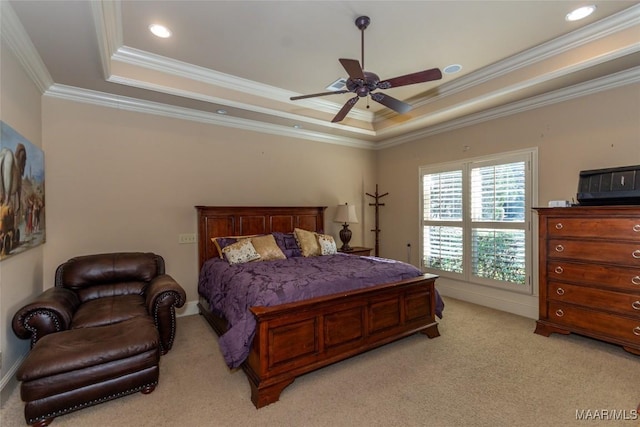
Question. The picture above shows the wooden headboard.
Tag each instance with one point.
(217, 221)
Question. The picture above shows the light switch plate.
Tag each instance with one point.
(186, 238)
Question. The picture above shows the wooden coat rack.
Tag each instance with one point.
(377, 204)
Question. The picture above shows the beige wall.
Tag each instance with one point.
(596, 131)
(20, 275)
(121, 181)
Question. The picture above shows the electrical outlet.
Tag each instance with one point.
(187, 238)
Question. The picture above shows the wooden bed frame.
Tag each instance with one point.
(295, 338)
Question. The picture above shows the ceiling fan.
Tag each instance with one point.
(363, 83)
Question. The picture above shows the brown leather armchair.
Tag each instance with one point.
(103, 289)
(98, 334)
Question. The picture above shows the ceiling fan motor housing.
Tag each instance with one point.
(363, 87)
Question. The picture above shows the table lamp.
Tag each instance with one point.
(346, 214)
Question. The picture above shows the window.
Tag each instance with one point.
(476, 220)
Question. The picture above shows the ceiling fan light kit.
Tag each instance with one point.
(362, 83)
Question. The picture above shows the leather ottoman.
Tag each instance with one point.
(73, 369)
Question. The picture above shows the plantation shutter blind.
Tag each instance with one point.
(498, 216)
(442, 221)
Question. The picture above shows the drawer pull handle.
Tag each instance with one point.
(560, 291)
(635, 280)
(636, 254)
(636, 330)
(560, 248)
(560, 313)
(636, 305)
(560, 270)
(559, 226)
(636, 228)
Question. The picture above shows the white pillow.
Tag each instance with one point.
(327, 244)
(240, 252)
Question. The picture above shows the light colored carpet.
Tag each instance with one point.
(487, 369)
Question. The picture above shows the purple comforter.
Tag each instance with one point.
(232, 289)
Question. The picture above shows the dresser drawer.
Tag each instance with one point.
(620, 253)
(596, 323)
(615, 302)
(626, 228)
(624, 279)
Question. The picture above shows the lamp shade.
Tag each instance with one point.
(346, 214)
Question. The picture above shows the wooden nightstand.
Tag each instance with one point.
(358, 250)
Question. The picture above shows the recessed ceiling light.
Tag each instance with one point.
(221, 111)
(580, 13)
(160, 31)
(452, 69)
(297, 126)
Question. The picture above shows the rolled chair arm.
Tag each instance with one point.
(50, 312)
(163, 296)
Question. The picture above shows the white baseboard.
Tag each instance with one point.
(9, 381)
(190, 308)
(522, 305)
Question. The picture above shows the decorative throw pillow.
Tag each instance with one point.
(307, 241)
(327, 244)
(240, 252)
(267, 248)
(288, 244)
(222, 242)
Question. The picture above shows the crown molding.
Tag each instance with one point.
(12, 31)
(598, 30)
(595, 31)
(506, 90)
(590, 33)
(108, 31)
(140, 58)
(295, 118)
(132, 104)
(108, 17)
(102, 99)
(612, 81)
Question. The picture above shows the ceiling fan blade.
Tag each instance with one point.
(345, 109)
(409, 79)
(295, 98)
(353, 68)
(391, 102)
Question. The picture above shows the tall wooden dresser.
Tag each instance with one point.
(590, 273)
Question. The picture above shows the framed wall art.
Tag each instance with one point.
(22, 200)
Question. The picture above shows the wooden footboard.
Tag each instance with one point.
(296, 338)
